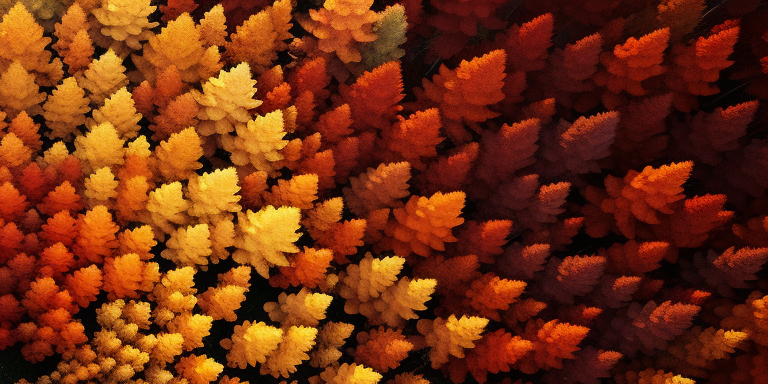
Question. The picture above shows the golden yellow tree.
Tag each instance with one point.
(265, 236)
(198, 369)
(303, 308)
(19, 91)
(179, 44)
(100, 147)
(138, 240)
(213, 27)
(258, 142)
(178, 155)
(125, 22)
(366, 280)
(330, 338)
(22, 40)
(167, 208)
(65, 110)
(399, 301)
(214, 194)
(103, 77)
(120, 110)
(225, 100)
(189, 246)
(298, 340)
(251, 343)
(350, 374)
(222, 236)
(101, 188)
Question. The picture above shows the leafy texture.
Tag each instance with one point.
(340, 191)
(265, 236)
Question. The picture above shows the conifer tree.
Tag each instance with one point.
(103, 77)
(65, 109)
(262, 242)
(390, 31)
(225, 100)
(125, 22)
(19, 91)
(375, 96)
(450, 336)
(212, 27)
(179, 155)
(119, 109)
(258, 40)
(22, 40)
(629, 64)
(258, 142)
(100, 147)
(355, 23)
(464, 94)
(178, 44)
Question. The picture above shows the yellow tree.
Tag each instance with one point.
(189, 246)
(265, 236)
(258, 142)
(65, 109)
(303, 308)
(167, 208)
(177, 157)
(225, 100)
(214, 194)
(450, 336)
(22, 40)
(100, 147)
(19, 91)
(125, 23)
(120, 110)
(213, 27)
(103, 77)
(251, 343)
(365, 281)
(398, 303)
(291, 351)
(179, 44)
(350, 373)
(101, 188)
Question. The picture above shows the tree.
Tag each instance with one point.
(265, 236)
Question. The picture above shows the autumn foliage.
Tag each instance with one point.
(381, 191)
